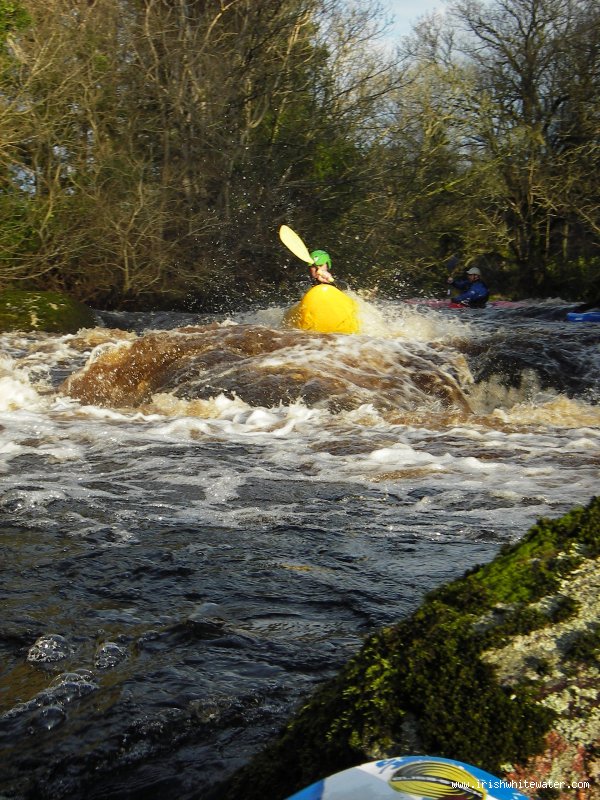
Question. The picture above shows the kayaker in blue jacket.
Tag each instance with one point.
(474, 292)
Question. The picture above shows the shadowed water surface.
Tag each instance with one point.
(201, 518)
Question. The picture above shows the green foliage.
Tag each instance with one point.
(192, 141)
(13, 17)
(575, 278)
(17, 228)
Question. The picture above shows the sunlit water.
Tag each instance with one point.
(201, 518)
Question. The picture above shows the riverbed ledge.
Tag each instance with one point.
(498, 669)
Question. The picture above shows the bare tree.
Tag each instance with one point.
(533, 64)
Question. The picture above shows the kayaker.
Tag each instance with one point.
(474, 292)
(319, 269)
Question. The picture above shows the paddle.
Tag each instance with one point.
(294, 243)
(450, 265)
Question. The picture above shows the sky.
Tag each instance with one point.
(407, 12)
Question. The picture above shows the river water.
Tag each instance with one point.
(202, 517)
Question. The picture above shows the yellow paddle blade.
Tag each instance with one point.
(294, 243)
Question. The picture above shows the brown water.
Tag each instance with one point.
(200, 518)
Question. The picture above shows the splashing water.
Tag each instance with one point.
(203, 516)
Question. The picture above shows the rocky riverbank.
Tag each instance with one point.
(499, 669)
(49, 312)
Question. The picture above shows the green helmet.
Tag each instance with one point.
(320, 257)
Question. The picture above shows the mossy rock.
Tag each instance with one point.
(49, 312)
(425, 685)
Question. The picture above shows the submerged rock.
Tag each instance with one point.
(268, 367)
(50, 312)
(499, 669)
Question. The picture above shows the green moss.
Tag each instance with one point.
(517, 622)
(423, 686)
(462, 710)
(533, 567)
(523, 619)
(585, 646)
(540, 665)
(564, 608)
(50, 312)
(468, 594)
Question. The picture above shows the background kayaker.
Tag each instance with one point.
(474, 292)
(319, 269)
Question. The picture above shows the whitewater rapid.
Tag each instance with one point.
(202, 516)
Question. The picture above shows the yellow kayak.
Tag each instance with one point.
(324, 309)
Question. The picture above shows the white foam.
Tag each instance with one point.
(394, 320)
(16, 390)
(543, 450)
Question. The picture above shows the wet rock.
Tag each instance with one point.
(513, 693)
(262, 367)
(50, 312)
